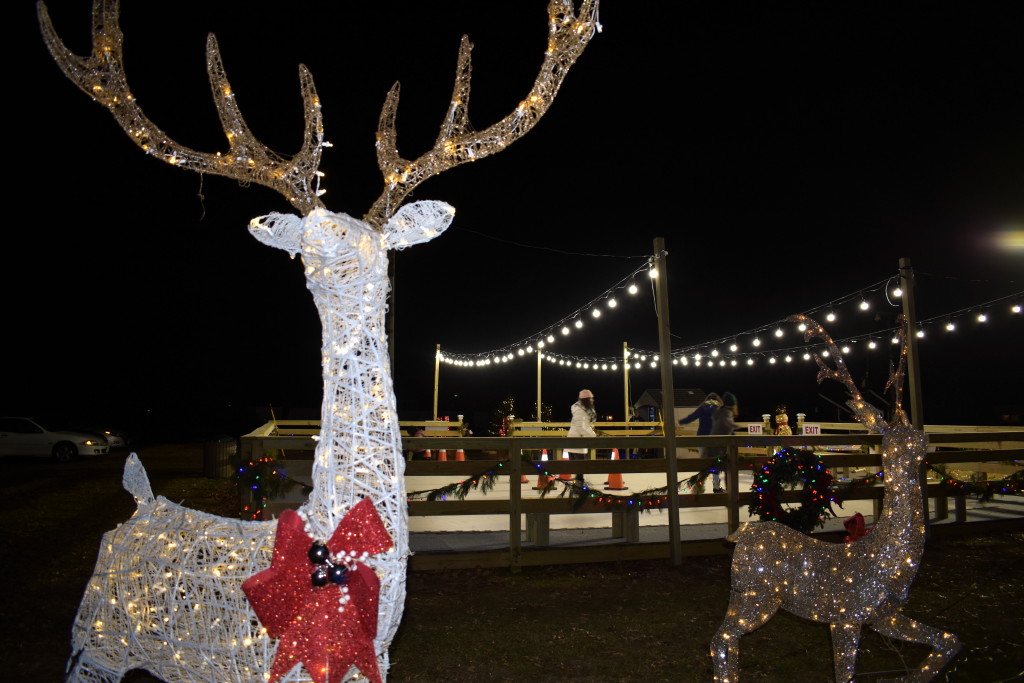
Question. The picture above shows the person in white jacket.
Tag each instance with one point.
(583, 418)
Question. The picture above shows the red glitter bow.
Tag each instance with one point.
(306, 618)
(855, 527)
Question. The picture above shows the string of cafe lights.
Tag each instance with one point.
(573, 323)
(750, 347)
(708, 355)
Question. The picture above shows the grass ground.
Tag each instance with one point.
(632, 621)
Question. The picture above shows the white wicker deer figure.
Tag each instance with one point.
(851, 585)
(166, 594)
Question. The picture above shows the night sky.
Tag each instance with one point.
(789, 153)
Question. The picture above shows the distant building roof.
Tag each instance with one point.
(683, 397)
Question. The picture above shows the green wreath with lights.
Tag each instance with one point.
(789, 469)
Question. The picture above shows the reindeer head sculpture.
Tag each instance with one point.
(345, 263)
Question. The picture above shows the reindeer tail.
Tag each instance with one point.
(136, 481)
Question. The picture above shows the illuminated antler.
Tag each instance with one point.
(457, 143)
(102, 76)
(866, 413)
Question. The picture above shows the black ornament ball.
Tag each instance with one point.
(318, 553)
(319, 577)
(338, 574)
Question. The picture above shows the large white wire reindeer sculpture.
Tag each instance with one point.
(850, 585)
(167, 590)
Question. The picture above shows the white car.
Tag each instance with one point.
(24, 436)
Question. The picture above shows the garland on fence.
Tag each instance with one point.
(786, 468)
(265, 478)
(1011, 485)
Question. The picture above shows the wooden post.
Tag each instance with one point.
(732, 488)
(914, 369)
(668, 413)
(437, 374)
(515, 505)
(913, 362)
(540, 415)
(625, 381)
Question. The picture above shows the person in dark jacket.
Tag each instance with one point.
(723, 422)
(703, 414)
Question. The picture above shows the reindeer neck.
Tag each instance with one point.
(356, 456)
(900, 527)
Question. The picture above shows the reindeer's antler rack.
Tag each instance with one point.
(102, 77)
(866, 413)
(568, 33)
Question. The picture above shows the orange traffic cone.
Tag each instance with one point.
(543, 480)
(428, 455)
(565, 477)
(460, 455)
(442, 455)
(615, 482)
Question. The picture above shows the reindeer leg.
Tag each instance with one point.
(746, 613)
(944, 645)
(845, 640)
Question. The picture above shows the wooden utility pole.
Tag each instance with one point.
(668, 412)
(540, 415)
(913, 360)
(437, 377)
(625, 382)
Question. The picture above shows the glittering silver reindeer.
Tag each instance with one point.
(166, 591)
(850, 585)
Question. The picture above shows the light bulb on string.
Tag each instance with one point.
(806, 356)
(831, 317)
(756, 342)
(721, 363)
(771, 361)
(612, 303)
(750, 361)
(733, 347)
(846, 349)
(897, 292)
(778, 331)
(578, 323)
(733, 362)
(920, 333)
(632, 288)
(950, 326)
(864, 305)
(551, 339)
(872, 344)
(789, 358)
(982, 318)
(825, 354)
(652, 273)
(596, 312)
(565, 330)
(895, 339)
(1015, 308)
(714, 352)
(802, 327)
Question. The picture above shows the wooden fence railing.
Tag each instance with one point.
(967, 450)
